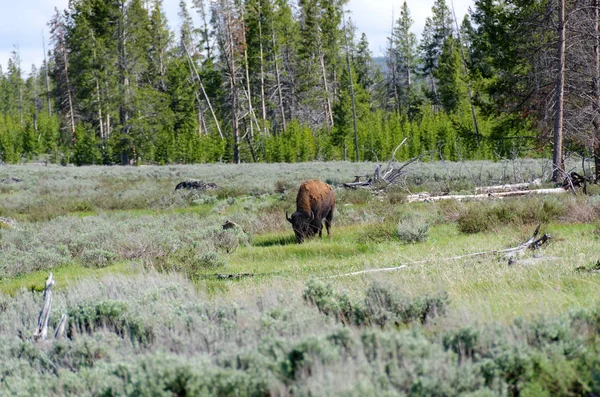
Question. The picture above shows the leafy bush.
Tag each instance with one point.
(480, 217)
(413, 229)
(283, 185)
(474, 219)
(156, 335)
(382, 305)
(111, 314)
(376, 233)
(385, 305)
(354, 196)
(97, 258)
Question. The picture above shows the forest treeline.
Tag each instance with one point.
(286, 81)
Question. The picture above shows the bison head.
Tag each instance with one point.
(302, 224)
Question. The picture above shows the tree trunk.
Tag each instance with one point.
(47, 78)
(100, 120)
(464, 62)
(329, 113)
(356, 155)
(262, 67)
(250, 138)
(279, 90)
(69, 97)
(233, 85)
(596, 89)
(557, 160)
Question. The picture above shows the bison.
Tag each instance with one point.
(314, 204)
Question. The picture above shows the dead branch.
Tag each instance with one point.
(382, 179)
(506, 188)
(41, 332)
(60, 329)
(532, 243)
(422, 197)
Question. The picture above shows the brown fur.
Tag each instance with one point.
(312, 193)
(315, 204)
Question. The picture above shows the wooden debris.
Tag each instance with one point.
(532, 243)
(229, 225)
(41, 332)
(234, 276)
(60, 329)
(384, 178)
(423, 197)
(506, 188)
(196, 185)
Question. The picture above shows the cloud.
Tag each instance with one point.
(21, 26)
(375, 17)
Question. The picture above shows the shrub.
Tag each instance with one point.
(229, 192)
(382, 305)
(474, 219)
(332, 303)
(413, 229)
(283, 185)
(97, 258)
(385, 305)
(376, 233)
(480, 217)
(396, 196)
(354, 196)
(112, 315)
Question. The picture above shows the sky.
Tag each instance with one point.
(23, 23)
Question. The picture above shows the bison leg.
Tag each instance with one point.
(328, 220)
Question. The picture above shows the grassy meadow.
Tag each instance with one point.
(162, 301)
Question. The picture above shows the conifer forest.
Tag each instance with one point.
(286, 81)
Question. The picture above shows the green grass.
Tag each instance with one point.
(485, 286)
(65, 276)
(147, 308)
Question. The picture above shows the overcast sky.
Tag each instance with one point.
(22, 23)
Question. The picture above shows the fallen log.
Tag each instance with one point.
(507, 187)
(532, 243)
(422, 197)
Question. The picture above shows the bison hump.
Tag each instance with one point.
(312, 192)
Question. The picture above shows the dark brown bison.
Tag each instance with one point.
(314, 204)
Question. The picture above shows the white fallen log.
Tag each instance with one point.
(507, 187)
(41, 332)
(459, 197)
(383, 269)
(532, 243)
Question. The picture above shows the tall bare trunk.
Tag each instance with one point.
(464, 62)
(100, 120)
(596, 90)
(47, 77)
(328, 112)
(279, 89)
(356, 155)
(262, 67)
(250, 108)
(232, 80)
(557, 160)
(69, 97)
(212, 112)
